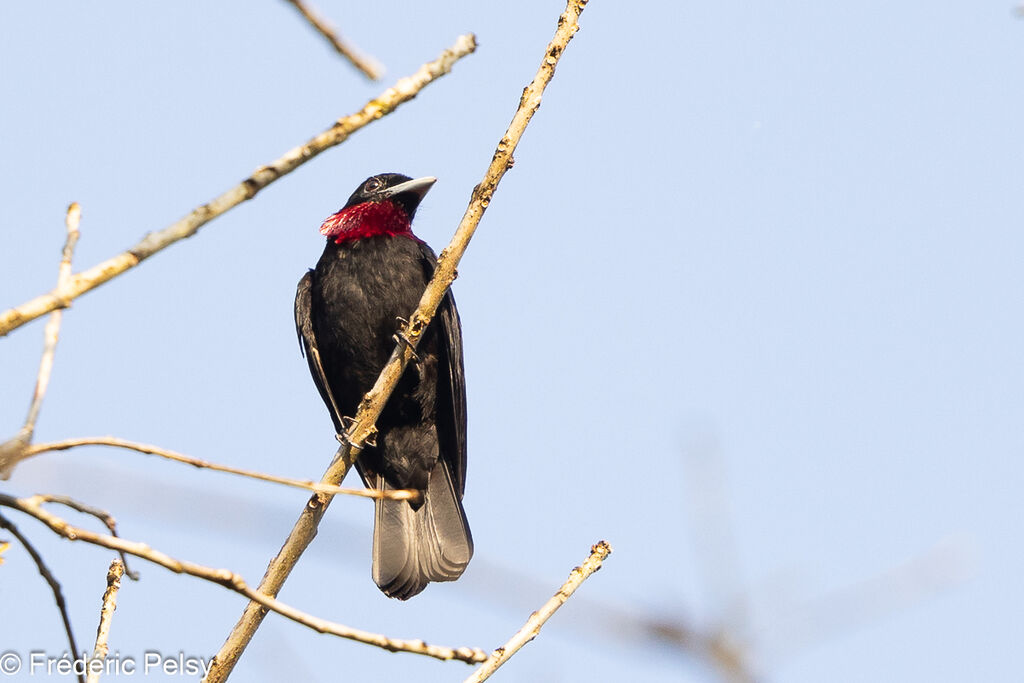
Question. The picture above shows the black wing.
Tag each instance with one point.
(307, 344)
(451, 382)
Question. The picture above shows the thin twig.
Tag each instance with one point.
(529, 631)
(12, 451)
(305, 528)
(370, 67)
(402, 91)
(58, 594)
(100, 514)
(114, 442)
(33, 506)
(99, 652)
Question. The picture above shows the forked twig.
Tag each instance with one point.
(100, 514)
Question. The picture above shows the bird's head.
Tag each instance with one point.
(382, 205)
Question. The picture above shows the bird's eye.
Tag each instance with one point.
(373, 185)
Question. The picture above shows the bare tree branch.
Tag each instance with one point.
(33, 506)
(80, 283)
(99, 652)
(58, 594)
(367, 65)
(305, 528)
(529, 631)
(100, 514)
(11, 450)
(114, 442)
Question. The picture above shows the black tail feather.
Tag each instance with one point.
(411, 548)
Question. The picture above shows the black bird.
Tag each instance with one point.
(372, 272)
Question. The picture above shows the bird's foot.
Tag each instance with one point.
(400, 338)
(346, 426)
(346, 440)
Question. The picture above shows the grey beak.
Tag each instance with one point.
(419, 187)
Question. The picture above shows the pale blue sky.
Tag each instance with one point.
(784, 239)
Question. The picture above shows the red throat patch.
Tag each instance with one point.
(366, 220)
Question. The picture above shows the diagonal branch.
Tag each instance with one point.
(114, 442)
(33, 506)
(58, 594)
(598, 553)
(367, 65)
(305, 528)
(80, 283)
(363, 426)
(12, 450)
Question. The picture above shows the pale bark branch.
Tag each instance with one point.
(369, 67)
(11, 451)
(114, 442)
(363, 427)
(100, 514)
(402, 91)
(44, 571)
(33, 506)
(598, 553)
(305, 528)
(99, 652)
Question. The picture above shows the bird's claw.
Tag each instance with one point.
(346, 426)
(400, 338)
(345, 440)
